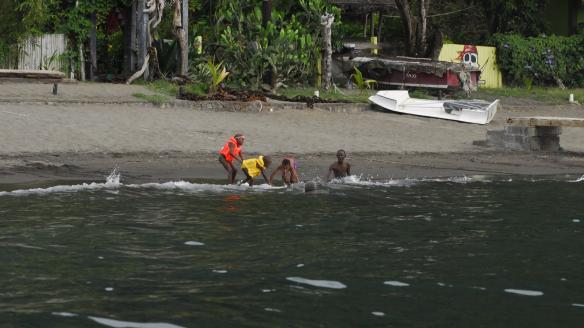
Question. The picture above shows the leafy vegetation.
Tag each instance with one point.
(354, 96)
(168, 88)
(541, 61)
(362, 84)
(283, 50)
(218, 74)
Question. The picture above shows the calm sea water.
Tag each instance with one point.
(462, 252)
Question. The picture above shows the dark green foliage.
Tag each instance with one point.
(541, 60)
(525, 17)
(287, 47)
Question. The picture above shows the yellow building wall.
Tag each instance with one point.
(487, 60)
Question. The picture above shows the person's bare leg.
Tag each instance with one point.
(233, 174)
(285, 179)
(229, 168)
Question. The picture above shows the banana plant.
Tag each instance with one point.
(362, 83)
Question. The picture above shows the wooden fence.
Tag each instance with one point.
(40, 52)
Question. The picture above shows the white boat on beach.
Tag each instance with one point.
(469, 111)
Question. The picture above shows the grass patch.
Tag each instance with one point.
(170, 89)
(547, 95)
(355, 96)
(155, 99)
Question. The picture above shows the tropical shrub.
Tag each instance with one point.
(543, 60)
(218, 74)
(287, 47)
(362, 83)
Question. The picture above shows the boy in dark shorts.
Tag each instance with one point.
(289, 171)
(340, 168)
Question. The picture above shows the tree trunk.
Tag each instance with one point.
(81, 58)
(156, 8)
(422, 38)
(327, 21)
(266, 12)
(179, 31)
(379, 25)
(129, 41)
(93, 48)
(409, 25)
(268, 77)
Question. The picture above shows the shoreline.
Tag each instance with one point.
(60, 140)
(148, 167)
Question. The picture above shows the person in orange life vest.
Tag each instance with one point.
(231, 150)
(289, 171)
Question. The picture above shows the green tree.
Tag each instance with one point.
(524, 17)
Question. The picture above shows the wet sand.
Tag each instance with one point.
(148, 167)
(64, 139)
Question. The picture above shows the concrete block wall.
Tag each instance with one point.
(544, 138)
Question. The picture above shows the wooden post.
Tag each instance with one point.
(326, 21)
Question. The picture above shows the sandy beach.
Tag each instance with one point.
(88, 129)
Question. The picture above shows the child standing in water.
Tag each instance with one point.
(289, 171)
(230, 151)
(252, 168)
(340, 168)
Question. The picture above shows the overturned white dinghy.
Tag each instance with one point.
(469, 111)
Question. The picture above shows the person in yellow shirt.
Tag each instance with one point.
(253, 167)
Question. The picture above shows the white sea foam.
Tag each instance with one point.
(378, 314)
(580, 179)
(576, 220)
(64, 314)
(59, 189)
(109, 289)
(272, 310)
(194, 243)
(220, 271)
(203, 187)
(128, 324)
(358, 180)
(114, 176)
(112, 182)
(395, 283)
(578, 305)
(318, 283)
(441, 284)
(524, 292)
